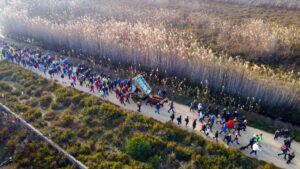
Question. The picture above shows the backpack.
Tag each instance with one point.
(282, 148)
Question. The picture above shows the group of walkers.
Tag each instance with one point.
(230, 123)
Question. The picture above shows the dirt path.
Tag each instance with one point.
(270, 148)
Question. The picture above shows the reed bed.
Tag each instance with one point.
(175, 52)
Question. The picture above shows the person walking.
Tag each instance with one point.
(91, 88)
(186, 120)
(172, 117)
(127, 97)
(138, 104)
(255, 148)
(277, 134)
(291, 155)
(157, 108)
(194, 124)
(284, 150)
(72, 83)
(236, 138)
(171, 107)
(251, 142)
(199, 107)
(87, 83)
(224, 129)
(216, 135)
(63, 80)
(259, 140)
(102, 93)
(117, 91)
(201, 117)
(207, 131)
(219, 119)
(212, 120)
(203, 128)
(122, 97)
(227, 138)
(179, 120)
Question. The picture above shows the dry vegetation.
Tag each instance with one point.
(291, 4)
(164, 39)
(26, 149)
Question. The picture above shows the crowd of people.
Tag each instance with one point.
(213, 122)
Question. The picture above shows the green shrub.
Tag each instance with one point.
(12, 98)
(89, 101)
(32, 114)
(60, 136)
(92, 110)
(85, 150)
(139, 149)
(46, 100)
(77, 98)
(50, 115)
(183, 154)
(16, 92)
(38, 92)
(56, 106)
(24, 97)
(5, 86)
(67, 120)
(21, 107)
(32, 102)
(155, 161)
(42, 81)
(4, 74)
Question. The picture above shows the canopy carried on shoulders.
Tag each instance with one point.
(139, 83)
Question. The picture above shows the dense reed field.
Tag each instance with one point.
(159, 42)
(291, 4)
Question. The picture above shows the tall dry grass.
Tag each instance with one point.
(171, 52)
(290, 4)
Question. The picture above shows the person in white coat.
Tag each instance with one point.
(255, 148)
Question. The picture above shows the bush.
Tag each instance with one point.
(5, 86)
(32, 102)
(12, 98)
(139, 149)
(46, 100)
(50, 115)
(24, 97)
(32, 114)
(77, 98)
(56, 106)
(183, 154)
(16, 92)
(89, 101)
(21, 107)
(67, 120)
(155, 161)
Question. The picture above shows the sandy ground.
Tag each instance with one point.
(270, 147)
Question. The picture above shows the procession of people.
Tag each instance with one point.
(212, 122)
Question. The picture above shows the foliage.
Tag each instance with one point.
(139, 148)
(155, 161)
(56, 106)
(46, 100)
(32, 114)
(67, 120)
(32, 102)
(50, 115)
